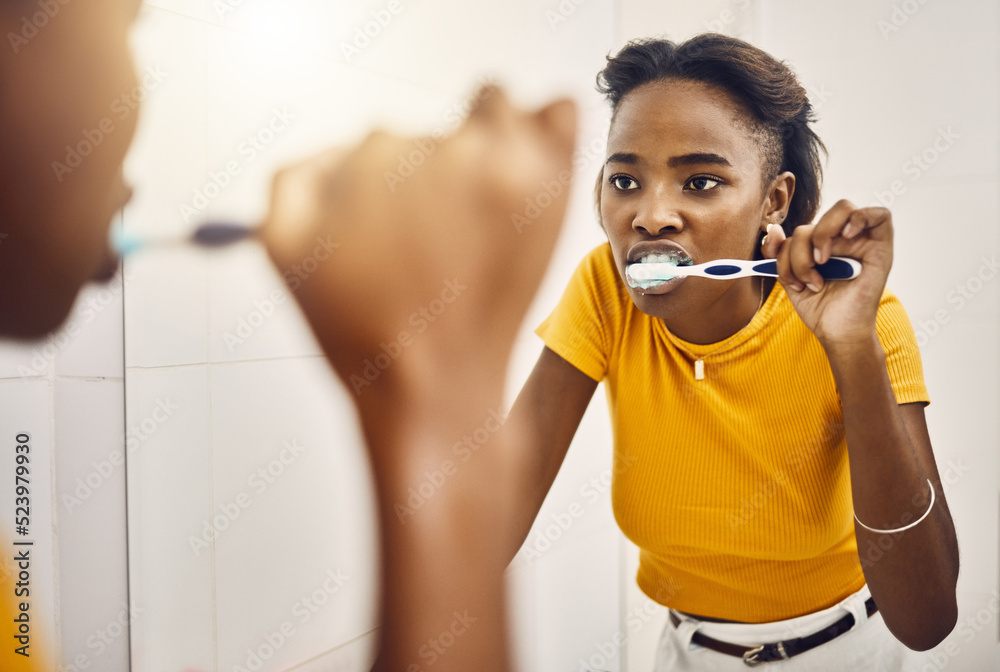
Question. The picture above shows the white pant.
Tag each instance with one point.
(867, 647)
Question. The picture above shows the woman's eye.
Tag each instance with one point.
(623, 182)
(703, 183)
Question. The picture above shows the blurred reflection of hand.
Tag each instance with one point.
(427, 276)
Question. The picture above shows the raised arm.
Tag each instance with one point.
(913, 577)
(442, 241)
(544, 420)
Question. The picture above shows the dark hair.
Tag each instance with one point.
(779, 108)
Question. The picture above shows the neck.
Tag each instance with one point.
(724, 317)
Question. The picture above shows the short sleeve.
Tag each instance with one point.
(902, 354)
(580, 329)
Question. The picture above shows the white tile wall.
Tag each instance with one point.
(79, 580)
(90, 499)
(172, 573)
(288, 452)
(355, 656)
(644, 618)
(577, 603)
(166, 164)
(94, 334)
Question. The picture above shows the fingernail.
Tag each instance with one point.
(812, 287)
(817, 255)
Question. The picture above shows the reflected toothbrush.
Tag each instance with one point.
(837, 268)
(210, 234)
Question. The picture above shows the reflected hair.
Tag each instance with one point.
(778, 110)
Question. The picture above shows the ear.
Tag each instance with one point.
(778, 199)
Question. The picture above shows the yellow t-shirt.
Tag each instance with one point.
(735, 488)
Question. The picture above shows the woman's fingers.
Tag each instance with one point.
(876, 221)
(778, 247)
(811, 245)
(830, 226)
(772, 241)
(801, 258)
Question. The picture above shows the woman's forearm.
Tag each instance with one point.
(912, 577)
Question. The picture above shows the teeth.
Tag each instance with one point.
(672, 258)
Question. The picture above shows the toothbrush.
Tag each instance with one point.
(837, 268)
(210, 234)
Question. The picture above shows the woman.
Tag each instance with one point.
(753, 416)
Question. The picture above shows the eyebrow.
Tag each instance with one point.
(674, 161)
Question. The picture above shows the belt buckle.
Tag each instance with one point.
(765, 654)
(752, 657)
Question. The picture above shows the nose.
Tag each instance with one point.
(656, 214)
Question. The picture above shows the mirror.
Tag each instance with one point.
(206, 467)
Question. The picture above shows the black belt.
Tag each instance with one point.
(778, 650)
